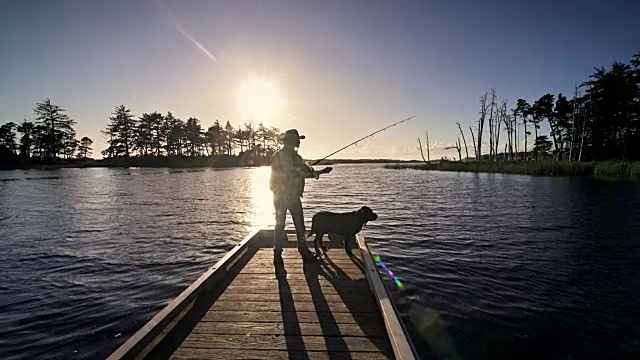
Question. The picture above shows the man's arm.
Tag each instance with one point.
(301, 166)
(292, 165)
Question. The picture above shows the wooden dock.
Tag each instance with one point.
(246, 307)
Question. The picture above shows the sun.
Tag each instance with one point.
(259, 99)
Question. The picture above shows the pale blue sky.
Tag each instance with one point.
(345, 68)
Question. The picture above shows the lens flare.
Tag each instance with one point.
(399, 284)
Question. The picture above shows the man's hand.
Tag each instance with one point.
(316, 174)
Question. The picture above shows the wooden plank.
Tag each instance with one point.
(290, 264)
(301, 306)
(295, 257)
(159, 323)
(351, 272)
(274, 288)
(280, 328)
(297, 260)
(325, 286)
(286, 342)
(300, 278)
(225, 354)
(331, 255)
(402, 347)
(370, 319)
(249, 282)
(297, 297)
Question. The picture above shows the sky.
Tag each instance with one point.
(341, 68)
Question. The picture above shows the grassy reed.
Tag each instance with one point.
(536, 168)
(617, 169)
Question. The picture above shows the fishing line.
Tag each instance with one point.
(362, 138)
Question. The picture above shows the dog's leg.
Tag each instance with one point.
(317, 242)
(349, 241)
(324, 247)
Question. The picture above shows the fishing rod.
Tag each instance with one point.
(368, 136)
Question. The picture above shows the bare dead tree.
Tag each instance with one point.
(421, 153)
(583, 130)
(466, 149)
(508, 127)
(492, 104)
(584, 126)
(513, 144)
(428, 153)
(499, 128)
(483, 115)
(573, 123)
(504, 155)
(475, 149)
(509, 130)
(526, 134)
(500, 114)
(514, 125)
(457, 147)
(505, 121)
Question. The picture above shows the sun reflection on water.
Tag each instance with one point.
(262, 214)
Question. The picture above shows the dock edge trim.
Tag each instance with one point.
(401, 344)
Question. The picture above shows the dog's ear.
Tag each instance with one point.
(365, 210)
(365, 214)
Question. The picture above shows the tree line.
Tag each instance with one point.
(52, 136)
(600, 122)
(154, 134)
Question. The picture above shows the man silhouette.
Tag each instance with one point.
(288, 174)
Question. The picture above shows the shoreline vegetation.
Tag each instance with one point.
(153, 140)
(616, 169)
(594, 133)
(177, 161)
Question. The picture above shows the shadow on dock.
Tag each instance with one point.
(290, 321)
(295, 310)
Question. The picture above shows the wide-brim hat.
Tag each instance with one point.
(290, 135)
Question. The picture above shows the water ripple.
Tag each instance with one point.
(494, 266)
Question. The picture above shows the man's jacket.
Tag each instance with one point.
(288, 172)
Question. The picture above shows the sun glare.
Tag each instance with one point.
(262, 213)
(259, 99)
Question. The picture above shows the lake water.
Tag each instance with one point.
(493, 266)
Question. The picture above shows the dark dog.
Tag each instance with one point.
(345, 224)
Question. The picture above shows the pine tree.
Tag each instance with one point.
(121, 131)
(261, 137)
(84, 148)
(157, 135)
(143, 136)
(174, 129)
(229, 136)
(8, 136)
(213, 136)
(193, 135)
(27, 129)
(59, 135)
